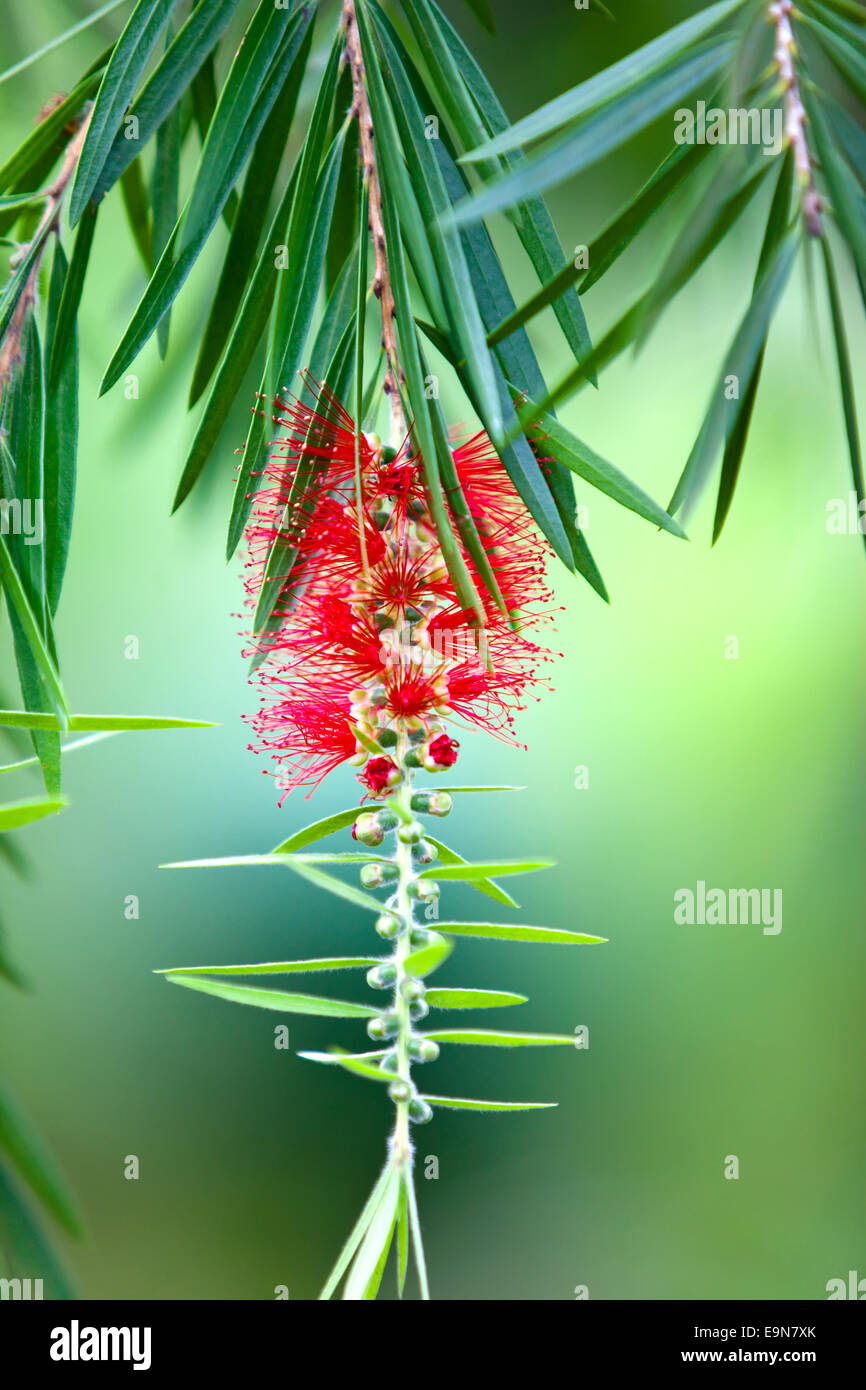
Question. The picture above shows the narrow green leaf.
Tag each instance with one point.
(477, 1037)
(357, 1234)
(350, 1062)
(318, 830)
(570, 451)
(62, 343)
(248, 225)
(32, 631)
(250, 91)
(449, 857)
(428, 958)
(346, 891)
(168, 82)
(19, 813)
(472, 998)
(452, 872)
(599, 133)
(612, 83)
(740, 363)
(502, 932)
(849, 203)
(65, 748)
(846, 380)
(308, 1004)
(164, 198)
(31, 1161)
(366, 1272)
(460, 1103)
(136, 205)
(402, 1238)
(455, 790)
(281, 967)
(61, 39)
(125, 67)
(84, 723)
(60, 442)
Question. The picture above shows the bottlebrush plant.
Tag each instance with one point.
(351, 150)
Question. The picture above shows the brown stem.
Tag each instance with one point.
(10, 349)
(381, 279)
(795, 115)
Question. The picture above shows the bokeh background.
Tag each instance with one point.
(704, 1041)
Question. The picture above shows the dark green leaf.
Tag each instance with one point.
(24, 1151)
(25, 1246)
(119, 82)
(846, 380)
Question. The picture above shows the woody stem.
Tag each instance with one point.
(381, 279)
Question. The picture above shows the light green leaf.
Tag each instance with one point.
(280, 967)
(18, 813)
(108, 723)
(308, 1004)
(472, 998)
(61, 39)
(469, 872)
(449, 857)
(352, 1062)
(357, 1234)
(459, 1103)
(502, 932)
(366, 1272)
(426, 959)
(477, 1037)
(455, 790)
(318, 830)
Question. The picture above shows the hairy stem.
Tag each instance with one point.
(381, 280)
(795, 114)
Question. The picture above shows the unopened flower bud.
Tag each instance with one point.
(410, 832)
(383, 1026)
(391, 1061)
(399, 1091)
(412, 989)
(380, 776)
(389, 927)
(387, 738)
(424, 852)
(381, 976)
(423, 1049)
(424, 890)
(420, 1113)
(368, 829)
(418, 937)
(418, 1008)
(378, 875)
(387, 819)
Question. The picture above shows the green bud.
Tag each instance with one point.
(387, 737)
(412, 989)
(418, 1008)
(383, 1026)
(424, 853)
(381, 976)
(423, 1049)
(390, 1062)
(377, 875)
(399, 1091)
(424, 890)
(419, 937)
(410, 833)
(420, 1113)
(441, 803)
(388, 819)
(389, 927)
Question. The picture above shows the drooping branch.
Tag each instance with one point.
(382, 280)
(795, 114)
(10, 349)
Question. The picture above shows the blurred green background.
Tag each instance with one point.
(704, 1041)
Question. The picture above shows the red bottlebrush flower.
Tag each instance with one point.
(380, 775)
(368, 630)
